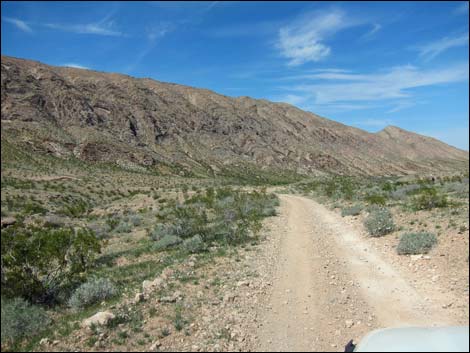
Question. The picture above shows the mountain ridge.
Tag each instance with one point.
(111, 117)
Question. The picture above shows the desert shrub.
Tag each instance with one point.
(379, 222)
(91, 292)
(416, 243)
(39, 263)
(404, 191)
(375, 199)
(457, 189)
(375, 196)
(100, 230)
(75, 208)
(167, 241)
(123, 227)
(194, 244)
(112, 222)
(135, 220)
(428, 198)
(351, 211)
(21, 319)
(224, 215)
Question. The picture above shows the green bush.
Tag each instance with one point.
(379, 222)
(429, 198)
(39, 263)
(351, 211)
(375, 199)
(21, 319)
(416, 243)
(194, 245)
(92, 292)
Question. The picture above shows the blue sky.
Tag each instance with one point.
(363, 64)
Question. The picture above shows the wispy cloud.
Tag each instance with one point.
(103, 27)
(89, 28)
(391, 84)
(400, 106)
(304, 39)
(76, 66)
(22, 25)
(371, 33)
(159, 31)
(431, 50)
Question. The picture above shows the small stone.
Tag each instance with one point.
(349, 323)
(101, 318)
(139, 297)
(7, 221)
(44, 341)
(155, 345)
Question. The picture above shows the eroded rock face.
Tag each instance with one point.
(102, 117)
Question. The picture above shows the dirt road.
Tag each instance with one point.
(331, 286)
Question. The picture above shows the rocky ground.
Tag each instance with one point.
(314, 282)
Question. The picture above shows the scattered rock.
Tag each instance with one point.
(101, 318)
(150, 286)
(44, 341)
(177, 295)
(7, 221)
(155, 345)
(139, 297)
(349, 323)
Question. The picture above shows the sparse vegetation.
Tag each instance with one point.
(416, 243)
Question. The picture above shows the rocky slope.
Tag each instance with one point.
(115, 118)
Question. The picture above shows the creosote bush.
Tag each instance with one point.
(416, 243)
(92, 292)
(379, 222)
(39, 264)
(429, 198)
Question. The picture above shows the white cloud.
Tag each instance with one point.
(76, 66)
(431, 50)
(304, 39)
(22, 25)
(391, 84)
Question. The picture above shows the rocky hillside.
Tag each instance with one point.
(143, 123)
